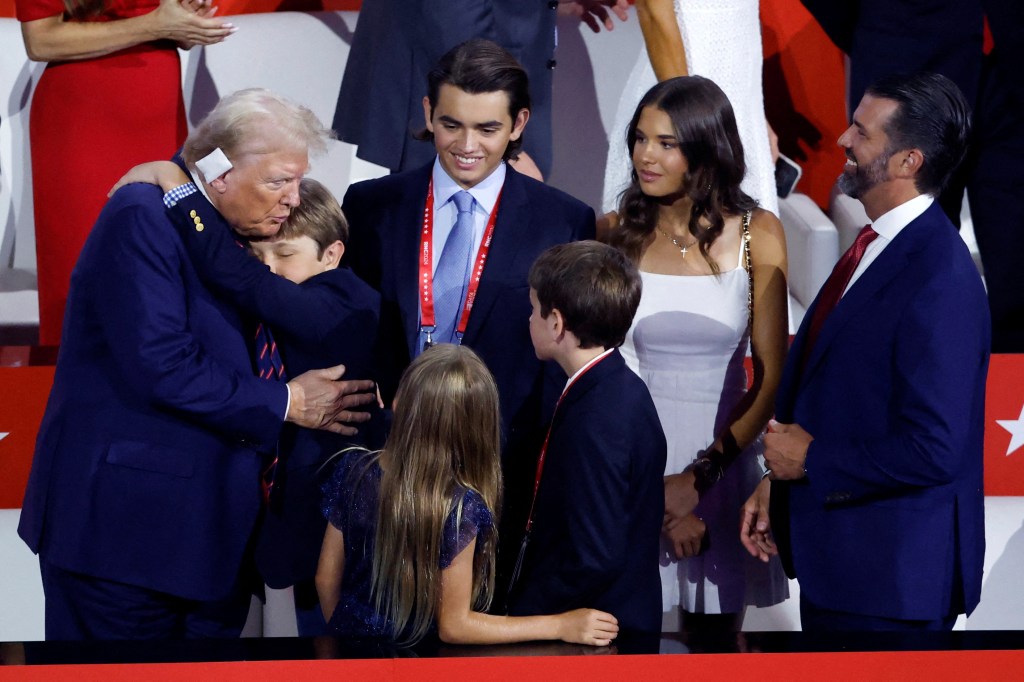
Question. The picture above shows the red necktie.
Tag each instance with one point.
(835, 285)
(269, 366)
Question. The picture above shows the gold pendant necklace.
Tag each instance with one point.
(683, 248)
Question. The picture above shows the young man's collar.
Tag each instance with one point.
(485, 192)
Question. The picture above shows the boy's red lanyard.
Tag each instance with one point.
(544, 448)
(426, 279)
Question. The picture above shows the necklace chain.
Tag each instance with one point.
(683, 248)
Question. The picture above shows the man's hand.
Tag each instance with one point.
(681, 497)
(685, 535)
(320, 401)
(594, 13)
(755, 527)
(786, 450)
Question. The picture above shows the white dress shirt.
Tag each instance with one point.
(887, 226)
(485, 193)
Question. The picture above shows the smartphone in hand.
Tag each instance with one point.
(787, 174)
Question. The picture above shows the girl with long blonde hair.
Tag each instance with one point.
(410, 546)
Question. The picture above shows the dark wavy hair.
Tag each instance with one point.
(705, 127)
(478, 67)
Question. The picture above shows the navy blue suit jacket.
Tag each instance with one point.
(889, 520)
(327, 320)
(396, 44)
(600, 504)
(146, 468)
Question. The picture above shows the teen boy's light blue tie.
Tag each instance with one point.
(452, 276)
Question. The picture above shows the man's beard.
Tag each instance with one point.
(863, 178)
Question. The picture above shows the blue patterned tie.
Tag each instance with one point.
(452, 275)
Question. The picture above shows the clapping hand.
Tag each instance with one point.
(190, 23)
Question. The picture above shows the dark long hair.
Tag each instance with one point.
(705, 127)
(84, 9)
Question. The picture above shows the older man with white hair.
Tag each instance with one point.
(158, 442)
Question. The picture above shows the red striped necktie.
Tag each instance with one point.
(270, 366)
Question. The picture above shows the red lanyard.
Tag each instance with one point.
(427, 321)
(544, 448)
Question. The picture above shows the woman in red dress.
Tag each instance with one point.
(109, 98)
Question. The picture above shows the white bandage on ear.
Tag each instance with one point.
(213, 165)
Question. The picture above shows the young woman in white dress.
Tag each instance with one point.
(717, 39)
(683, 220)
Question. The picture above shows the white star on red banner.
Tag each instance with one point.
(1016, 429)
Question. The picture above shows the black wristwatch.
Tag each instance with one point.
(706, 470)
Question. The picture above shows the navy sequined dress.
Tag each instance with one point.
(350, 505)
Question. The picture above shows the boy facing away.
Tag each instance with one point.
(596, 517)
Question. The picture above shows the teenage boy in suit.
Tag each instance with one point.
(476, 108)
(596, 518)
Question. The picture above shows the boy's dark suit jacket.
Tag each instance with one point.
(327, 320)
(385, 216)
(147, 463)
(597, 523)
(889, 521)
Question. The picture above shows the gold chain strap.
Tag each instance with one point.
(750, 269)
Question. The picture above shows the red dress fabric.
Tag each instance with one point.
(91, 120)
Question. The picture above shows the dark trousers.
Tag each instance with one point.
(816, 619)
(82, 607)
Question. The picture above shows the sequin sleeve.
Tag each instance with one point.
(341, 490)
(465, 522)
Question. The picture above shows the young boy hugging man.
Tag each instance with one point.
(595, 521)
(321, 315)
